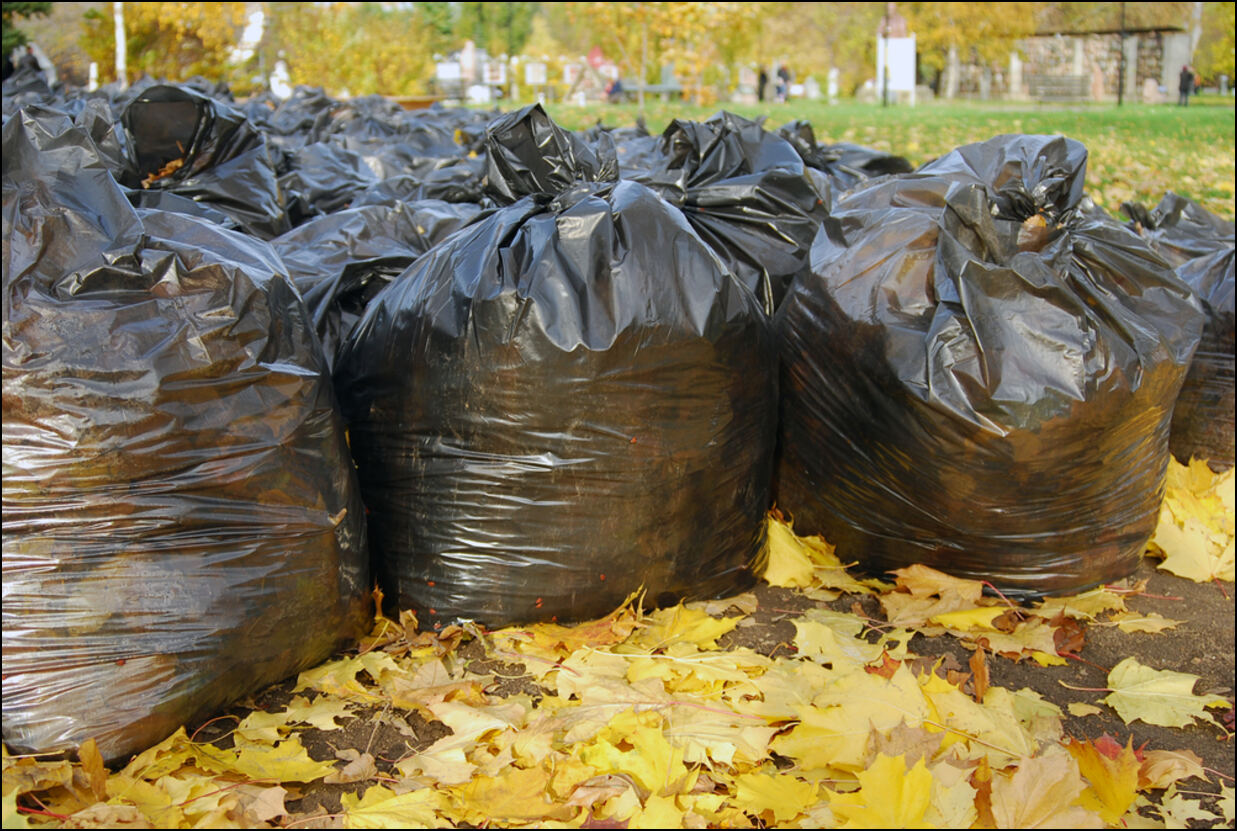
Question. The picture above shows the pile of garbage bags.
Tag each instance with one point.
(259, 354)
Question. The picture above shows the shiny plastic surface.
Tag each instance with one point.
(979, 375)
(567, 400)
(182, 524)
(339, 262)
(212, 153)
(1199, 245)
(845, 164)
(745, 191)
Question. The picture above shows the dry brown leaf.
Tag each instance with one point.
(92, 764)
(1161, 768)
(360, 767)
(979, 670)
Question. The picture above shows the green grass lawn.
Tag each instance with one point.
(1137, 152)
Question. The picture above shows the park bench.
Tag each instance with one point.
(1057, 89)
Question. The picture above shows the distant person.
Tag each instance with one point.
(1185, 86)
(614, 91)
(762, 84)
(30, 61)
(783, 83)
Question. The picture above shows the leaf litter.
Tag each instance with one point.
(661, 719)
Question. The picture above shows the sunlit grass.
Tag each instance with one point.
(1137, 152)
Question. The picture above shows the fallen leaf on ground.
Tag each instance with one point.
(1160, 697)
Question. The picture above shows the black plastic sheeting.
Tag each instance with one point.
(182, 524)
(223, 159)
(339, 262)
(568, 400)
(845, 164)
(979, 375)
(745, 191)
(1199, 245)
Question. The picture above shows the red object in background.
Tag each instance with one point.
(595, 58)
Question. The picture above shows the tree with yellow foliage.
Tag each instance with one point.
(168, 41)
(703, 42)
(363, 48)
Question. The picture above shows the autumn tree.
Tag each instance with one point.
(984, 32)
(1089, 17)
(812, 38)
(702, 41)
(171, 41)
(1214, 56)
(13, 36)
(363, 48)
(499, 28)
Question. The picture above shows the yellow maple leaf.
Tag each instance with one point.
(339, 677)
(1178, 812)
(1194, 533)
(995, 724)
(711, 735)
(515, 795)
(1113, 782)
(968, 619)
(658, 812)
(1085, 606)
(781, 795)
(834, 731)
(788, 565)
(1040, 793)
(382, 808)
(14, 818)
(1161, 697)
(286, 761)
(1136, 622)
(634, 744)
(953, 798)
(679, 624)
(832, 638)
(160, 760)
(889, 796)
(807, 562)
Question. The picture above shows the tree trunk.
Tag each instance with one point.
(118, 17)
(1196, 28)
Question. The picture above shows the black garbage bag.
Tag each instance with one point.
(162, 200)
(182, 525)
(565, 401)
(323, 178)
(1199, 245)
(203, 149)
(845, 164)
(746, 192)
(979, 375)
(289, 124)
(25, 88)
(339, 262)
(458, 180)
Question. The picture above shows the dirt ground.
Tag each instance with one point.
(1202, 645)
